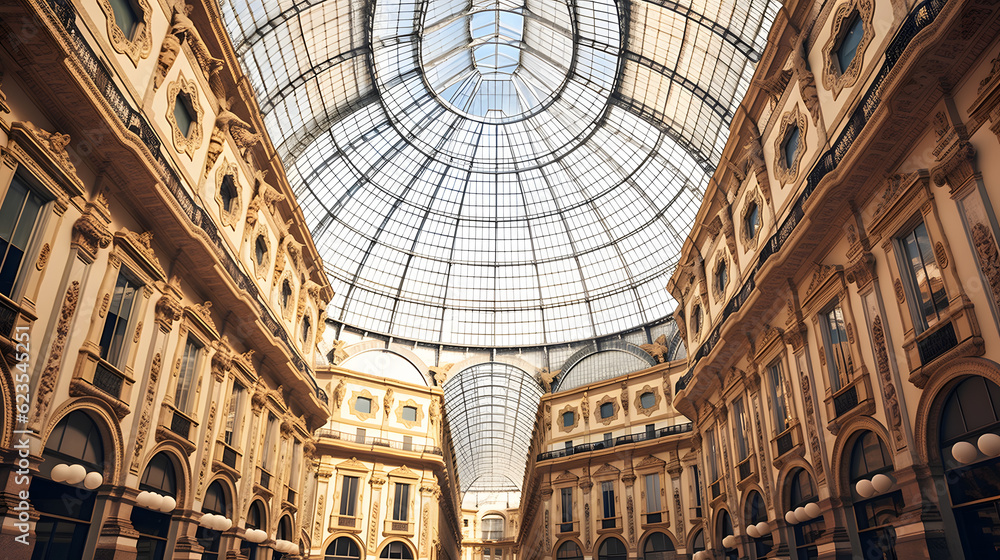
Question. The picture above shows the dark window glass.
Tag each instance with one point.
(187, 377)
(608, 502)
(184, 113)
(260, 249)
(647, 400)
(924, 277)
(235, 415)
(401, 503)
(757, 512)
(658, 547)
(751, 220)
(739, 430)
(286, 293)
(875, 516)
(228, 193)
(612, 549)
(838, 361)
(349, 496)
(802, 492)
(566, 498)
(724, 528)
(791, 146)
(115, 337)
(652, 482)
(396, 551)
(847, 48)
(215, 502)
(127, 17)
(493, 529)
(696, 319)
(778, 397)
(363, 404)
(18, 215)
(569, 550)
(76, 439)
(607, 410)
(410, 413)
(343, 549)
(721, 278)
(568, 418)
(306, 330)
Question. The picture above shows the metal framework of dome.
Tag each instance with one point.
(499, 173)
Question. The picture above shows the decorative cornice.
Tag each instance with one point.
(140, 44)
(658, 349)
(139, 246)
(90, 233)
(190, 142)
(833, 79)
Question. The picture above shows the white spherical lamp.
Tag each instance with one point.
(75, 474)
(206, 520)
(142, 499)
(964, 452)
(59, 472)
(865, 488)
(790, 518)
(256, 535)
(226, 524)
(763, 528)
(752, 532)
(700, 555)
(155, 501)
(813, 510)
(93, 480)
(989, 444)
(728, 542)
(882, 483)
(168, 504)
(801, 515)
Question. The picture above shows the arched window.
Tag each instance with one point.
(343, 548)
(971, 411)
(698, 542)
(802, 492)
(284, 534)
(255, 520)
(209, 539)
(724, 528)
(756, 513)
(612, 549)
(152, 525)
(875, 514)
(492, 527)
(658, 547)
(396, 551)
(569, 551)
(62, 527)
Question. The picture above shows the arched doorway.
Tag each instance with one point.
(215, 503)
(724, 528)
(256, 519)
(802, 491)
(756, 512)
(153, 525)
(63, 524)
(874, 514)
(658, 547)
(698, 542)
(972, 410)
(285, 534)
(343, 548)
(612, 549)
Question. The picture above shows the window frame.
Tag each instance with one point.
(910, 283)
(37, 232)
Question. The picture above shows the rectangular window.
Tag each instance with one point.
(125, 16)
(608, 501)
(928, 296)
(187, 377)
(607, 410)
(652, 498)
(269, 437)
(569, 446)
(711, 451)
(360, 435)
(568, 419)
(115, 337)
(401, 503)
(349, 496)
(838, 354)
(293, 472)
(739, 430)
(696, 475)
(234, 416)
(566, 495)
(407, 443)
(18, 216)
(777, 382)
(609, 439)
(650, 430)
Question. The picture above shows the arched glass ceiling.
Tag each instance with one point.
(491, 410)
(499, 173)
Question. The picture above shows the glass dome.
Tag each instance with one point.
(498, 173)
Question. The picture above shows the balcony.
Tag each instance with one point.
(787, 444)
(398, 527)
(567, 527)
(609, 524)
(264, 479)
(228, 457)
(350, 523)
(744, 469)
(955, 335)
(95, 377)
(853, 399)
(653, 518)
(9, 312)
(378, 442)
(715, 489)
(620, 440)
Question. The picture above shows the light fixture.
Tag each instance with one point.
(763, 528)
(964, 452)
(989, 444)
(813, 510)
(59, 472)
(75, 474)
(882, 483)
(255, 535)
(865, 488)
(729, 541)
(93, 480)
(801, 515)
(790, 518)
(752, 532)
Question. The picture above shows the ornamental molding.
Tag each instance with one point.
(561, 424)
(90, 234)
(822, 274)
(566, 476)
(44, 154)
(373, 409)
(264, 266)
(410, 423)
(607, 471)
(833, 79)
(651, 463)
(614, 407)
(787, 171)
(402, 472)
(659, 349)
(185, 144)
(141, 43)
(752, 198)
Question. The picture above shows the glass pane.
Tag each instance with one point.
(182, 114)
(849, 43)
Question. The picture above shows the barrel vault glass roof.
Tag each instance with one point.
(499, 172)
